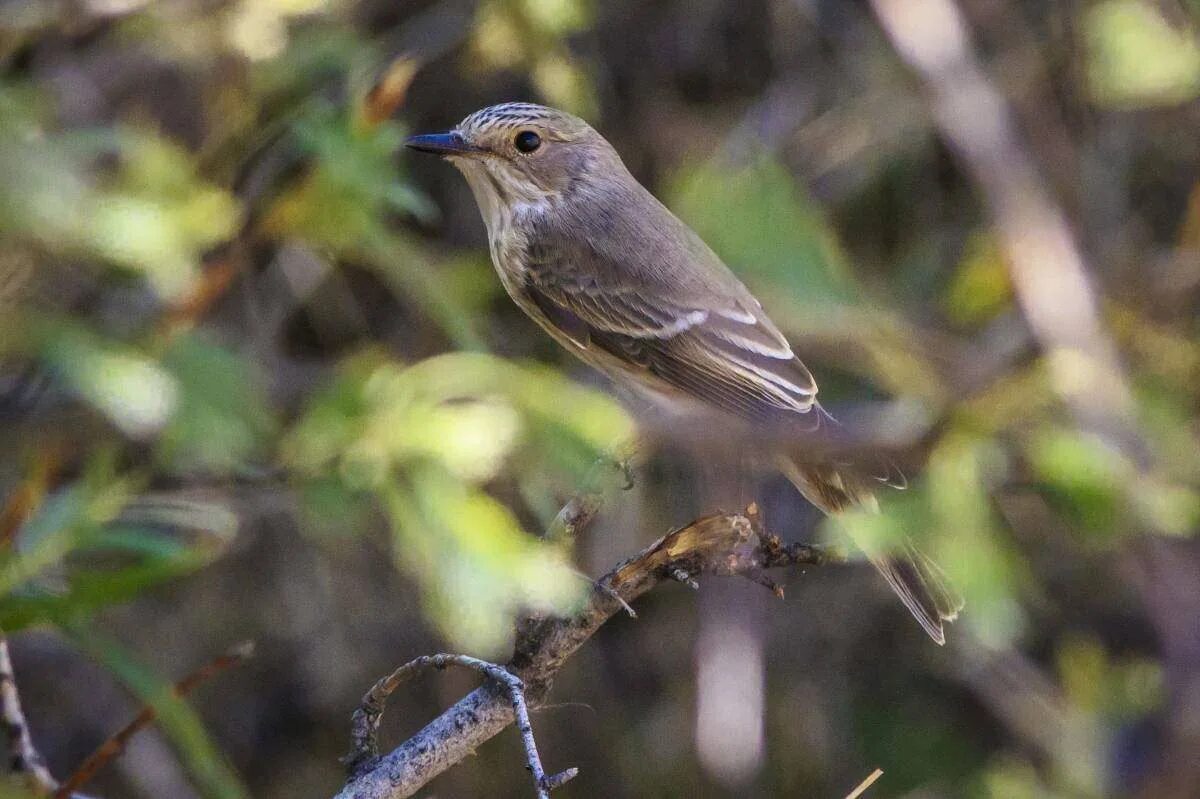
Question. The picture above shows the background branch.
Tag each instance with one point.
(115, 744)
(1048, 271)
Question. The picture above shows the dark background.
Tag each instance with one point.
(225, 288)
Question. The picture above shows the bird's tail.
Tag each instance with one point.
(916, 579)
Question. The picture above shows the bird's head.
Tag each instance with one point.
(521, 153)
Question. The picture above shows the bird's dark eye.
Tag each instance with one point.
(527, 141)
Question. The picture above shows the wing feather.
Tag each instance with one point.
(745, 368)
(662, 303)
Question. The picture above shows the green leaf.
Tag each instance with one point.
(760, 221)
(127, 386)
(1085, 476)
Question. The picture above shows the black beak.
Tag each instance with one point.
(451, 143)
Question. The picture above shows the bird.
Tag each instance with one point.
(609, 272)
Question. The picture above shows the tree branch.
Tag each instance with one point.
(365, 726)
(24, 758)
(722, 544)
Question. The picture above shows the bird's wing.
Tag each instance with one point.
(713, 343)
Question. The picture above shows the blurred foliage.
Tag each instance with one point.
(1138, 58)
(980, 289)
(150, 215)
(426, 440)
(532, 35)
(133, 215)
(757, 218)
(257, 379)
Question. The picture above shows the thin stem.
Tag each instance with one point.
(24, 758)
(115, 744)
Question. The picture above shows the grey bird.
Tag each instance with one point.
(616, 278)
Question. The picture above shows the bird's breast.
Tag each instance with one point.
(508, 244)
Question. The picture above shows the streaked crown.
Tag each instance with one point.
(512, 116)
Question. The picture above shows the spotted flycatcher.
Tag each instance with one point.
(619, 281)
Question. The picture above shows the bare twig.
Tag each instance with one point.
(24, 758)
(365, 725)
(867, 783)
(726, 544)
(116, 743)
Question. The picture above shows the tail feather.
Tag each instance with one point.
(914, 577)
(927, 601)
